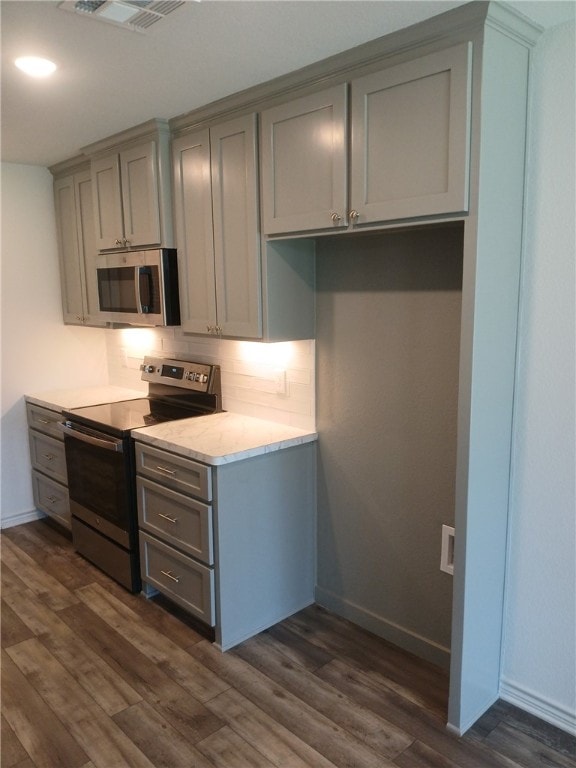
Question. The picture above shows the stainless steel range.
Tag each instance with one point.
(100, 459)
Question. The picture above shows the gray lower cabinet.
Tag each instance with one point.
(49, 477)
(408, 148)
(232, 544)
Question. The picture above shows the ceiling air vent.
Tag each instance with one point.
(135, 15)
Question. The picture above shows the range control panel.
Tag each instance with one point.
(199, 377)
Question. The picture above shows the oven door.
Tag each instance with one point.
(100, 482)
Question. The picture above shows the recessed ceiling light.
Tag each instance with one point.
(35, 66)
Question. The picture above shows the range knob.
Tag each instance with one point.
(148, 368)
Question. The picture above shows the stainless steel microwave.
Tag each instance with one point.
(138, 287)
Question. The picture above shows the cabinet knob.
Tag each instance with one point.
(117, 242)
(126, 242)
(336, 217)
(354, 215)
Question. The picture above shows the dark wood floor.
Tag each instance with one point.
(93, 677)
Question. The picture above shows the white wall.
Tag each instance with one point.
(539, 650)
(38, 351)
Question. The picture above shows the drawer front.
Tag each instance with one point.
(174, 471)
(48, 456)
(44, 420)
(176, 519)
(189, 583)
(51, 497)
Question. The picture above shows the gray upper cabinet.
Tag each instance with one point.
(408, 148)
(304, 166)
(410, 138)
(77, 248)
(194, 234)
(131, 189)
(216, 215)
(229, 286)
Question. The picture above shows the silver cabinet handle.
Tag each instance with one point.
(45, 421)
(170, 519)
(52, 499)
(118, 242)
(354, 215)
(336, 217)
(170, 575)
(49, 456)
(166, 470)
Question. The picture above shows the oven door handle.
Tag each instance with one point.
(110, 444)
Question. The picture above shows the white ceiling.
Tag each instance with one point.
(109, 78)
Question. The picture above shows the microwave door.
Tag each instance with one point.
(117, 289)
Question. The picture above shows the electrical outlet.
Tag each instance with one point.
(280, 381)
(447, 550)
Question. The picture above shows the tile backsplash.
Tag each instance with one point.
(270, 381)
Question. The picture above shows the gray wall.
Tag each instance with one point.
(388, 334)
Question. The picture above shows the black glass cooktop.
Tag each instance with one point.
(119, 418)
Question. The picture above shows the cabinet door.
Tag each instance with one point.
(304, 180)
(140, 202)
(70, 270)
(410, 136)
(108, 220)
(236, 231)
(87, 246)
(194, 236)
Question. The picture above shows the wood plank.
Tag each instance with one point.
(11, 750)
(418, 755)
(53, 593)
(526, 750)
(89, 669)
(372, 691)
(187, 715)
(412, 677)
(317, 730)
(101, 739)
(43, 736)
(155, 736)
(274, 741)
(13, 628)
(263, 653)
(58, 559)
(227, 749)
(298, 649)
(548, 734)
(178, 664)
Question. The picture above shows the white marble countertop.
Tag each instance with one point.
(222, 438)
(65, 399)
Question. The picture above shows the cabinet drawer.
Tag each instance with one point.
(44, 420)
(176, 472)
(187, 582)
(51, 497)
(176, 519)
(48, 456)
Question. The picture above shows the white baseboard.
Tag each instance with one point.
(9, 521)
(404, 638)
(546, 709)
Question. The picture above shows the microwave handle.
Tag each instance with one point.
(144, 289)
